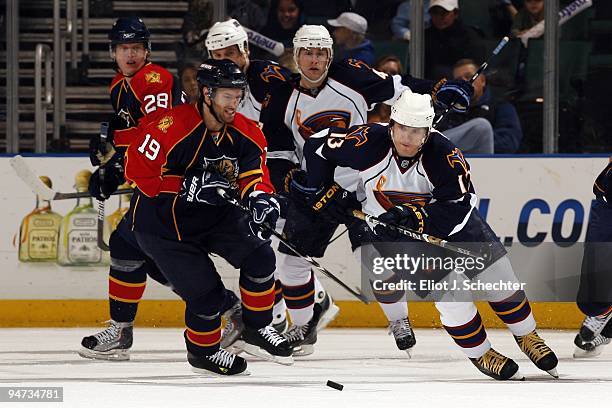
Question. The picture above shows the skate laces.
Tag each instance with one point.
(596, 323)
(296, 333)
(599, 340)
(110, 333)
(223, 358)
(492, 361)
(400, 328)
(533, 345)
(271, 335)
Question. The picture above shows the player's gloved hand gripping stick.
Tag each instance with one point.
(355, 292)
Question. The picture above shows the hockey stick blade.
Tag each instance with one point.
(31, 179)
(281, 237)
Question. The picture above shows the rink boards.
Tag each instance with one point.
(529, 200)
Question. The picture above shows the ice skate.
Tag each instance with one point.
(538, 352)
(268, 344)
(403, 334)
(221, 363)
(112, 343)
(497, 366)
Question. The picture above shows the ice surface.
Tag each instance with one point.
(374, 373)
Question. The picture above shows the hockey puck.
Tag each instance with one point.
(335, 385)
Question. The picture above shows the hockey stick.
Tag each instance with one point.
(355, 292)
(419, 236)
(30, 178)
(101, 206)
(479, 71)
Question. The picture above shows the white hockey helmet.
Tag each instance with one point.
(414, 110)
(224, 34)
(312, 36)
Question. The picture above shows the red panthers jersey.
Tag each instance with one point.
(151, 90)
(161, 150)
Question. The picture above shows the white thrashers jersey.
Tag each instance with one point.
(291, 114)
(439, 180)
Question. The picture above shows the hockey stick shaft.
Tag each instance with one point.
(355, 292)
(101, 206)
(417, 235)
(479, 71)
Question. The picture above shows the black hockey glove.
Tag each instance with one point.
(334, 203)
(100, 152)
(113, 178)
(406, 215)
(200, 187)
(265, 210)
(455, 94)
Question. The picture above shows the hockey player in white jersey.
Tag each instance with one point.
(415, 178)
(329, 94)
(229, 40)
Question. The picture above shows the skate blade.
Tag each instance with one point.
(409, 352)
(210, 374)
(580, 353)
(327, 317)
(518, 376)
(303, 350)
(263, 354)
(553, 372)
(113, 355)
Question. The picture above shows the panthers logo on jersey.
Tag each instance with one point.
(322, 120)
(153, 78)
(165, 123)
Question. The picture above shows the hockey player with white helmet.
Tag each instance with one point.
(326, 94)
(415, 178)
(229, 40)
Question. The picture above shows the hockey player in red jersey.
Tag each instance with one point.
(415, 178)
(178, 161)
(139, 88)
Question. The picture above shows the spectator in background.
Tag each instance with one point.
(487, 126)
(391, 65)
(502, 14)
(527, 17)
(252, 14)
(286, 16)
(189, 81)
(349, 38)
(400, 25)
(449, 40)
(379, 14)
(319, 11)
(197, 20)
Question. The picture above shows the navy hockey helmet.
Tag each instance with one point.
(129, 30)
(224, 73)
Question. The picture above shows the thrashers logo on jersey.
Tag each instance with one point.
(165, 123)
(153, 78)
(272, 71)
(360, 135)
(322, 120)
(390, 198)
(457, 157)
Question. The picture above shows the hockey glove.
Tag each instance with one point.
(455, 94)
(100, 188)
(406, 215)
(265, 210)
(200, 187)
(334, 203)
(100, 152)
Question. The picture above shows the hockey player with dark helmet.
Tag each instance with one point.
(222, 88)
(129, 30)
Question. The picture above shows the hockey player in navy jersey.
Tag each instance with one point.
(139, 88)
(327, 94)
(414, 177)
(595, 291)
